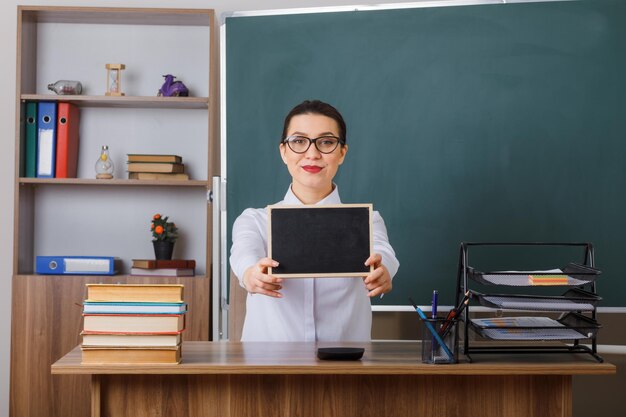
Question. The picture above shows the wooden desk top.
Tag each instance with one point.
(296, 358)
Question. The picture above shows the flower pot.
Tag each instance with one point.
(163, 249)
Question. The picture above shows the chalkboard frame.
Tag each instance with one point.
(310, 246)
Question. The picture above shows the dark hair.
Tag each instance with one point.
(316, 107)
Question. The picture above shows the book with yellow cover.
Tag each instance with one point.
(130, 355)
(157, 176)
(155, 167)
(163, 293)
(139, 157)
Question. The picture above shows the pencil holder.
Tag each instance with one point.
(435, 331)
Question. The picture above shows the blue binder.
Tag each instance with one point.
(46, 139)
(75, 265)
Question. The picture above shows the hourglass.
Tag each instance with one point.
(114, 79)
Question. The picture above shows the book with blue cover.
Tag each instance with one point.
(93, 307)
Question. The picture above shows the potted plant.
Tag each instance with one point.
(164, 235)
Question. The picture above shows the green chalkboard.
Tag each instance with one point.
(476, 123)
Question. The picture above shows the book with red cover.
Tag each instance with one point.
(68, 120)
(164, 263)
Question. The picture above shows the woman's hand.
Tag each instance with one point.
(256, 280)
(378, 282)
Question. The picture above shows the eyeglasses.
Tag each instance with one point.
(301, 144)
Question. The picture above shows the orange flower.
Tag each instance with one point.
(159, 229)
(156, 216)
(151, 226)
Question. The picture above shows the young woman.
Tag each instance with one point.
(313, 146)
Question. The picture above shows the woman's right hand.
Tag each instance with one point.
(256, 280)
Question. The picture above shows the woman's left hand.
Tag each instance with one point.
(378, 282)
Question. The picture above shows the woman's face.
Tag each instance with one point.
(312, 171)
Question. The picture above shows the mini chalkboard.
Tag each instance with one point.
(320, 241)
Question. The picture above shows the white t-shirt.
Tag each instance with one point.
(325, 309)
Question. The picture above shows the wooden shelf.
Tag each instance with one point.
(134, 183)
(127, 278)
(118, 16)
(146, 102)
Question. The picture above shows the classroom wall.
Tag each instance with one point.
(7, 119)
(402, 326)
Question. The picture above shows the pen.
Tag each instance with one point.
(432, 330)
(460, 309)
(465, 297)
(433, 315)
(446, 327)
(453, 313)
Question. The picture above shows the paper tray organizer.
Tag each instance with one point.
(578, 306)
(574, 299)
(577, 275)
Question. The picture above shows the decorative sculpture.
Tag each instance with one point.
(171, 88)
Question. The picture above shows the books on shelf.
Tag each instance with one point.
(90, 307)
(136, 157)
(164, 263)
(134, 323)
(164, 167)
(157, 176)
(92, 339)
(156, 167)
(131, 355)
(163, 272)
(163, 293)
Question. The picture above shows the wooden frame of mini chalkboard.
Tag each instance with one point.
(320, 241)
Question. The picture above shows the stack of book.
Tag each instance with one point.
(164, 268)
(156, 167)
(133, 323)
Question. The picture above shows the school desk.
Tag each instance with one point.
(286, 379)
